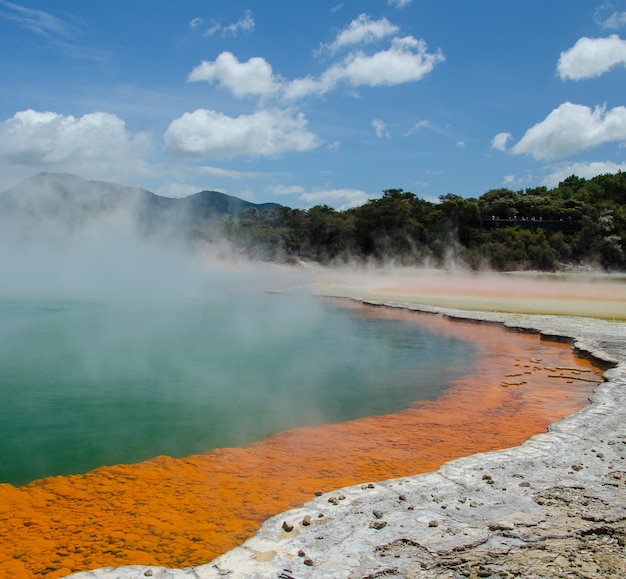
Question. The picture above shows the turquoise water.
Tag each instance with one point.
(91, 383)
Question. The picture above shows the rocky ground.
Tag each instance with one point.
(552, 507)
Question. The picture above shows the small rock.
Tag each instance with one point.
(433, 523)
(333, 500)
(318, 493)
(577, 467)
(402, 498)
(342, 497)
(307, 520)
(524, 484)
(308, 561)
(301, 553)
(378, 514)
(148, 573)
(378, 525)
(287, 527)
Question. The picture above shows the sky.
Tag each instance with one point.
(306, 103)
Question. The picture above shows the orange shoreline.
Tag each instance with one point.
(181, 512)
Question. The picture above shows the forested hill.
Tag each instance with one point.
(582, 221)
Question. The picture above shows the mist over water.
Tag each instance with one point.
(116, 349)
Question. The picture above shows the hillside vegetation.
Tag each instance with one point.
(580, 222)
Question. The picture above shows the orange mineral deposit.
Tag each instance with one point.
(181, 512)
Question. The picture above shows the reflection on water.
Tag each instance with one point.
(85, 384)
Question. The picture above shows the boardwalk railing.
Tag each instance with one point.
(565, 225)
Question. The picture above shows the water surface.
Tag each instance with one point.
(91, 383)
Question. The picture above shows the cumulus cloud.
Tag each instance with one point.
(408, 60)
(591, 57)
(251, 78)
(381, 129)
(264, 133)
(96, 144)
(571, 128)
(340, 199)
(362, 30)
(586, 170)
(499, 142)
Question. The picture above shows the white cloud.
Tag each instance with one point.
(417, 126)
(591, 57)
(381, 129)
(96, 145)
(285, 189)
(615, 20)
(406, 61)
(336, 8)
(251, 78)
(264, 133)
(334, 146)
(227, 173)
(361, 30)
(211, 31)
(607, 16)
(586, 170)
(499, 142)
(37, 21)
(399, 3)
(460, 144)
(245, 24)
(571, 128)
(340, 199)
(194, 23)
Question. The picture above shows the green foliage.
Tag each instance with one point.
(580, 220)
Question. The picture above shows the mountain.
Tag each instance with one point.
(63, 202)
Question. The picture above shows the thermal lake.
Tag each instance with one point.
(86, 383)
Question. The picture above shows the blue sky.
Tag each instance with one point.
(307, 103)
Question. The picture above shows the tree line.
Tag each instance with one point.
(581, 221)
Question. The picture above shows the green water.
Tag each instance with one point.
(85, 384)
